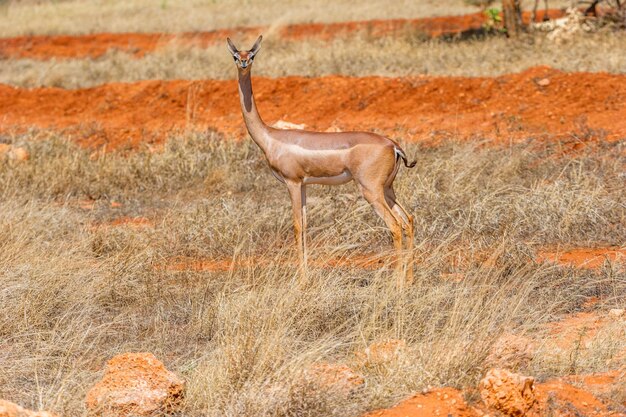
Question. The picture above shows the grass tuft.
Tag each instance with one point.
(394, 57)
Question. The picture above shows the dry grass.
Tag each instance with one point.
(82, 16)
(73, 295)
(384, 56)
(72, 17)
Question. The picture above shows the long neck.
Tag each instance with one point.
(257, 129)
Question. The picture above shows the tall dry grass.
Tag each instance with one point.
(391, 56)
(72, 295)
(77, 16)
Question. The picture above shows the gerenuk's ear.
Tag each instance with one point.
(231, 47)
(256, 46)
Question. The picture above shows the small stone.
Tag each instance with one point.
(544, 82)
(333, 129)
(283, 124)
(15, 153)
(19, 154)
(508, 393)
(382, 352)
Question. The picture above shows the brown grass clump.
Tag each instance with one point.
(73, 295)
(384, 56)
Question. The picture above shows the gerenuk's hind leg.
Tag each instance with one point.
(407, 224)
(377, 199)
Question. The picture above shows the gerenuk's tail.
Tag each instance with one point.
(400, 154)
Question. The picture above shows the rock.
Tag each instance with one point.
(333, 376)
(379, 353)
(8, 409)
(19, 154)
(511, 351)
(544, 82)
(282, 124)
(509, 393)
(333, 129)
(13, 152)
(564, 28)
(616, 313)
(135, 384)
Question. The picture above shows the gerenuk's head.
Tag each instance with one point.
(244, 59)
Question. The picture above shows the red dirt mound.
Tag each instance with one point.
(94, 45)
(554, 398)
(505, 108)
(437, 402)
(44, 47)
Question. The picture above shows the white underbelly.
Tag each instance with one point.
(335, 180)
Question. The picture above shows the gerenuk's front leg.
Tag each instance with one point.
(297, 192)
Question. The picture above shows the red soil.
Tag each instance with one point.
(583, 330)
(139, 44)
(581, 258)
(503, 108)
(87, 204)
(438, 402)
(568, 396)
(222, 265)
(128, 222)
(132, 222)
(559, 398)
(576, 328)
(584, 257)
(556, 397)
(597, 384)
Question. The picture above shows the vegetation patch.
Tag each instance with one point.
(245, 339)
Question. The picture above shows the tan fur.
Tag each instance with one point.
(298, 158)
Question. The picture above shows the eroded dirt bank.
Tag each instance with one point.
(539, 102)
(138, 44)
